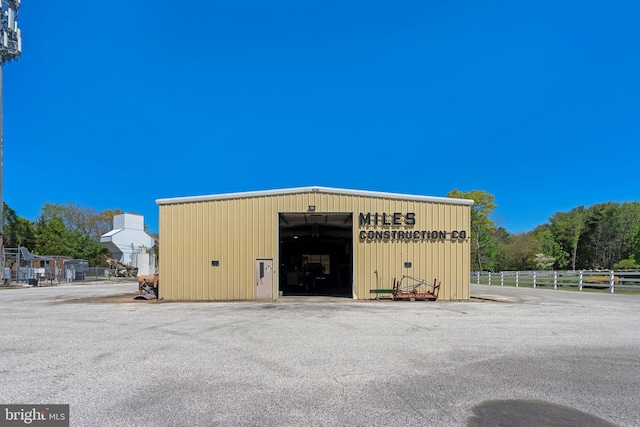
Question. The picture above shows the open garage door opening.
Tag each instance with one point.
(316, 254)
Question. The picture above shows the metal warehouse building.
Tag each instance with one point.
(310, 241)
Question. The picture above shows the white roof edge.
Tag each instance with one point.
(112, 232)
(315, 189)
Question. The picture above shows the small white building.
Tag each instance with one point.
(128, 242)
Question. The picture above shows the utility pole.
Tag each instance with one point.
(10, 48)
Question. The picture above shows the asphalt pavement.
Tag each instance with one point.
(510, 356)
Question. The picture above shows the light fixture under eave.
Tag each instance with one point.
(312, 208)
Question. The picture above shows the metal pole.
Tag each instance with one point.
(1, 181)
(10, 48)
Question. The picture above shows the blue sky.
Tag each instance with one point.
(114, 105)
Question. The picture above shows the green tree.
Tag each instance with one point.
(501, 238)
(17, 231)
(544, 242)
(612, 233)
(61, 230)
(630, 264)
(483, 238)
(52, 237)
(567, 227)
(518, 252)
(58, 235)
(84, 247)
(629, 225)
(87, 221)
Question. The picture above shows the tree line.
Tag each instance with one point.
(61, 230)
(602, 236)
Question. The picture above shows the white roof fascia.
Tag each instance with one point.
(299, 190)
(112, 232)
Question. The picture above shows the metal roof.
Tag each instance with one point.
(111, 233)
(315, 189)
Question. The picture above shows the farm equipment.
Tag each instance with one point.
(122, 270)
(415, 289)
(148, 287)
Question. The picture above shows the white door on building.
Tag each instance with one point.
(264, 278)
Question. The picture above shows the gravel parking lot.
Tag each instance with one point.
(508, 357)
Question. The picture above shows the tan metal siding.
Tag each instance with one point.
(237, 231)
(444, 260)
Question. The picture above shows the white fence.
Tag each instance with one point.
(580, 279)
